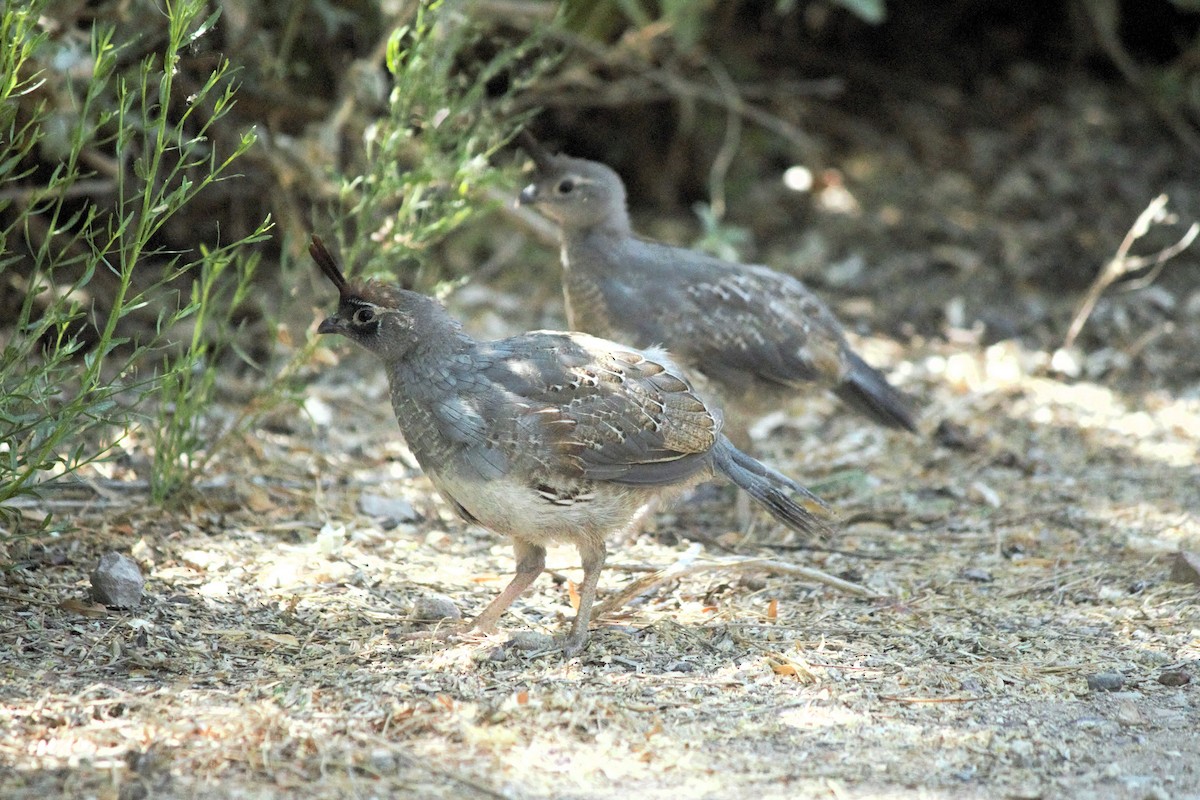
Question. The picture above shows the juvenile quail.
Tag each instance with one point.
(547, 435)
(748, 335)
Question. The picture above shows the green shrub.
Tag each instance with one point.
(66, 399)
(426, 167)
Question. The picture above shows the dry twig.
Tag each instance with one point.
(686, 566)
(1122, 263)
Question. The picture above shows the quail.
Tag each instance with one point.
(547, 435)
(747, 334)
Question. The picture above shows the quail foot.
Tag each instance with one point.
(749, 336)
(547, 436)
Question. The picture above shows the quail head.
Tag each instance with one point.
(547, 436)
(747, 334)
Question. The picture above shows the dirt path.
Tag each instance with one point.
(1027, 558)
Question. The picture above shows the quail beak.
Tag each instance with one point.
(528, 195)
(334, 324)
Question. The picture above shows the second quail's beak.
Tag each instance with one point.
(528, 195)
(334, 324)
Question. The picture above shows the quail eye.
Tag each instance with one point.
(363, 316)
(566, 186)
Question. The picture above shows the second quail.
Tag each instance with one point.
(748, 335)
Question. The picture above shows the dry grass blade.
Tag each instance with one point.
(686, 566)
(920, 700)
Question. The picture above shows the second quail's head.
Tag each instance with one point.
(386, 320)
(575, 193)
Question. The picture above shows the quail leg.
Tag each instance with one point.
(592, 555)
(531, 560)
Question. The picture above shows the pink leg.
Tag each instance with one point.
(592, 554)
(531, 560)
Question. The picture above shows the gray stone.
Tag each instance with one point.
(1174, 677)
(530, 640)
(1105, 681)
(117, 581)
(391, 508)
(432, 607)
(1186, 567)
(977, 574)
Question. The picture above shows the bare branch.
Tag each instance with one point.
(1122, 263)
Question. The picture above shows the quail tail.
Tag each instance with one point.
(786, 500)
(868, 392)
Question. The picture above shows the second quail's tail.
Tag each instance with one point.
(867, 391)
(786, 500)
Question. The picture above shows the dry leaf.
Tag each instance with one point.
(285, 639)
(773, 609)
(782, 665)
(76, 606)
(783, 668)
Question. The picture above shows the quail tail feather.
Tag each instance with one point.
(785, 500)
(868, 392)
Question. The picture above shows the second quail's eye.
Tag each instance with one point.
(566, 186)
(363, 316)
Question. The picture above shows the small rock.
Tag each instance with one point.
(977, 574)
(1105, 681)
(318, 411)
(971, 685)
(117, 581)
(382, 761)
(433, 607)
(530, 640)
(51, 556)
(389, 508)
(1128, 713)
(752, 583)
(1110, 593)
(981, 493)
(492, 655)
(1174, 677)
(1067, 362)
(1186, 568)
(954, 436)
(330, 540)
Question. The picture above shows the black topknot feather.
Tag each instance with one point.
(374, 292)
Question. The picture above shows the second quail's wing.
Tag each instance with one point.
(743, 322)
(587, 410)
